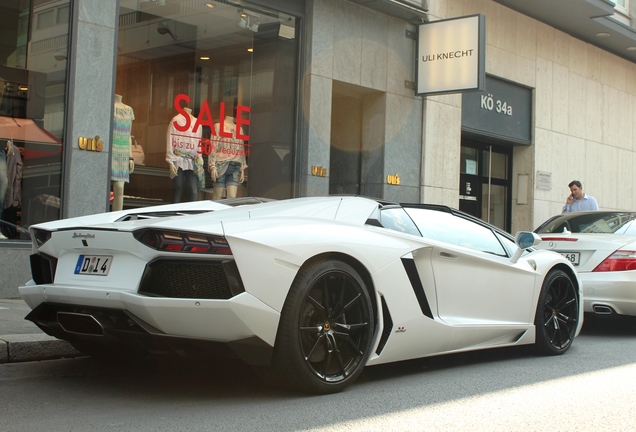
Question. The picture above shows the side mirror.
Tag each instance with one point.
(524, 240)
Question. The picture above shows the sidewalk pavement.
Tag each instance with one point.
(22, 341)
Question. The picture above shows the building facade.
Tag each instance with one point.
(293, 98)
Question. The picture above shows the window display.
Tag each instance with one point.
(183, 156)
(32, 113)
(122, 164)
(213, 89)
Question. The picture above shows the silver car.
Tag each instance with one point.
(602, 247)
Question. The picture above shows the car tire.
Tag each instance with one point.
(326, 329)
(557, 314)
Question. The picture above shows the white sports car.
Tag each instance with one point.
(312, 288)
(602, 247)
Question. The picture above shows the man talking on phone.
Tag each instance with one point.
(578, 201)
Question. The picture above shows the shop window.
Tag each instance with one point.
(32, 114)
(233, 69)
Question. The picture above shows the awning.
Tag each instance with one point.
(404, 9)
(19, 129)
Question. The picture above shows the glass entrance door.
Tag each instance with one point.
(485, 174)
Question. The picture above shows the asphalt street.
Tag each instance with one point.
(590, 388)
(21, 340)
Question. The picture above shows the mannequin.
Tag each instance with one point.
(227, 162)
(183, 157)
(12, 200)
(122, 161)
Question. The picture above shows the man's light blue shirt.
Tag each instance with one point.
(586, 204)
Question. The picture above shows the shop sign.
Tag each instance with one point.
(503, 111)
(90, 144)
(451, 55)
(393, 179)
(318, 171)
(544, 180)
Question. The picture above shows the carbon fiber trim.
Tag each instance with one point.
(416, 284)
(388, 327)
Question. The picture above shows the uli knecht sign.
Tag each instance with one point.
(451, 55)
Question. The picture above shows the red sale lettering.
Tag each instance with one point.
(176, 143)
(205, 147)
(177, 105)
(222, 131)
(240, 121)
(204, 118)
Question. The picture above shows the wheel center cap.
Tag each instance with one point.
(327, 326)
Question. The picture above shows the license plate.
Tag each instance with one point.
(93, 264)
(573, 257)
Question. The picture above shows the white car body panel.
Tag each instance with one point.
(218, 320)
(92, 220)
(490, 302)
(612, 289)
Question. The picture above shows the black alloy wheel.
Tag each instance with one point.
(557, 314)
(326, 329)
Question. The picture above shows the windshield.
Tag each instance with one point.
(596, 222)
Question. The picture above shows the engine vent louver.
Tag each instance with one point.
(416, 284)
(42, 268)
(388, 327)
(176, 278)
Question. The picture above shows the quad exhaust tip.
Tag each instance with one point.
(80, 323)
(603, 310)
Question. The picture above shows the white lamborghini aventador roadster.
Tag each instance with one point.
(313, 288)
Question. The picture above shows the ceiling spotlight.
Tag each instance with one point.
(249, 21)
(209, 4)
(602, 34)
(60, 56)
(163, 28)
(631, 48)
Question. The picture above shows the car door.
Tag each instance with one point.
(475, 281)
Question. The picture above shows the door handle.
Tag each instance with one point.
(447, 255)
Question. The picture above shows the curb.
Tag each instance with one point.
(34, 347)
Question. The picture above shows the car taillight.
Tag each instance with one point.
(618, 261)
(176, 241)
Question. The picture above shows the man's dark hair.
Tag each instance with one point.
(575, 182)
